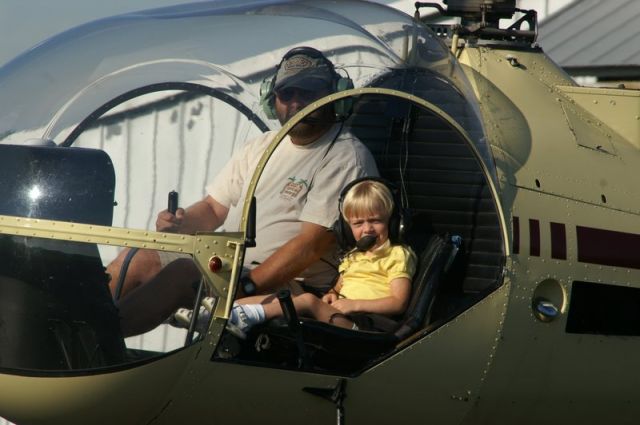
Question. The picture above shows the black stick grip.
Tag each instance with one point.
(172, 202)
(288, 309)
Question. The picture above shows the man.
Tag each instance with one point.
(297, 198)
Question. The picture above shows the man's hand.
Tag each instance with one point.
(206, 214)
(167, 222)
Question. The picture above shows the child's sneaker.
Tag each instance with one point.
(182, 317)
(239, 322)
(208, 303)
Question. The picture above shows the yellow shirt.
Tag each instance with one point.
(369, 277)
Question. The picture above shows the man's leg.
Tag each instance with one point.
(150, 304)
(144, 265)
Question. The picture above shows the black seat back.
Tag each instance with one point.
(442, 180)
(426, 283)
(56, 311)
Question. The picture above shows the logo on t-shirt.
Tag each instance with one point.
(293, 188)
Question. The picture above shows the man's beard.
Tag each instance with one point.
(309, 124)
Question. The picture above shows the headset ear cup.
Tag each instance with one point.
(267, 98)
(343, 235)
(399, 224)
(349, 240)
(337, 232)
(403, 225)
(344, 106)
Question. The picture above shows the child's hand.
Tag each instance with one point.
(345, 305)
(330, 297)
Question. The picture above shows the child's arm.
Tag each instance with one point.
(333, 293)
(394, 304)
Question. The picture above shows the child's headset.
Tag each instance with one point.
(398, 221)
(341, 108)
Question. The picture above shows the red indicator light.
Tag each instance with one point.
(215, 264)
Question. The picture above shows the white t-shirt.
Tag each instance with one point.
(299, 183)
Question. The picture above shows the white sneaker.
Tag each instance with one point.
(239, 322)
(182, 317)
(208, 303)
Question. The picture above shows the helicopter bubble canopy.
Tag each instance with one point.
(166, 96)
(159, 101)
(227, 48)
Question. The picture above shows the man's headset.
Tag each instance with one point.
(341, 108)
(398, 222)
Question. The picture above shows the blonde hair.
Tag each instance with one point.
(368, 197)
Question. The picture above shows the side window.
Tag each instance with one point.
(162, 141)
(138, 148)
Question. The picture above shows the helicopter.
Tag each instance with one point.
(533, 316)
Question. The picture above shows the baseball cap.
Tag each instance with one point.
(304, 72)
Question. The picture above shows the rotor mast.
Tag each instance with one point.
(481, 19)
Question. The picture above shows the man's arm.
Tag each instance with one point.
(293, 257)
(207, 214)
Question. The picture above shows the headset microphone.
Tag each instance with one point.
(363, 245)
(366, 243)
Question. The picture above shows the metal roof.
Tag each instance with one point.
(594, 34)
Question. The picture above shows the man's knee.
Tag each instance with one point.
(142, 266)
(308, 300)
(181, 278)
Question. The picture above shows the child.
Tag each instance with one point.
(377, 280)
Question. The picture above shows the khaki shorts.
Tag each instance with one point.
(167, 257)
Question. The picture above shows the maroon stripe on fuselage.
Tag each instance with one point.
(558, 241)
(534, 237)
(516, 235)
(608, 247)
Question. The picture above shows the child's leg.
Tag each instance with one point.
(293, 286)
(256, 299)
(311, 306)
(250, 311)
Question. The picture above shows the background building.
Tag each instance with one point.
(596, 42)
